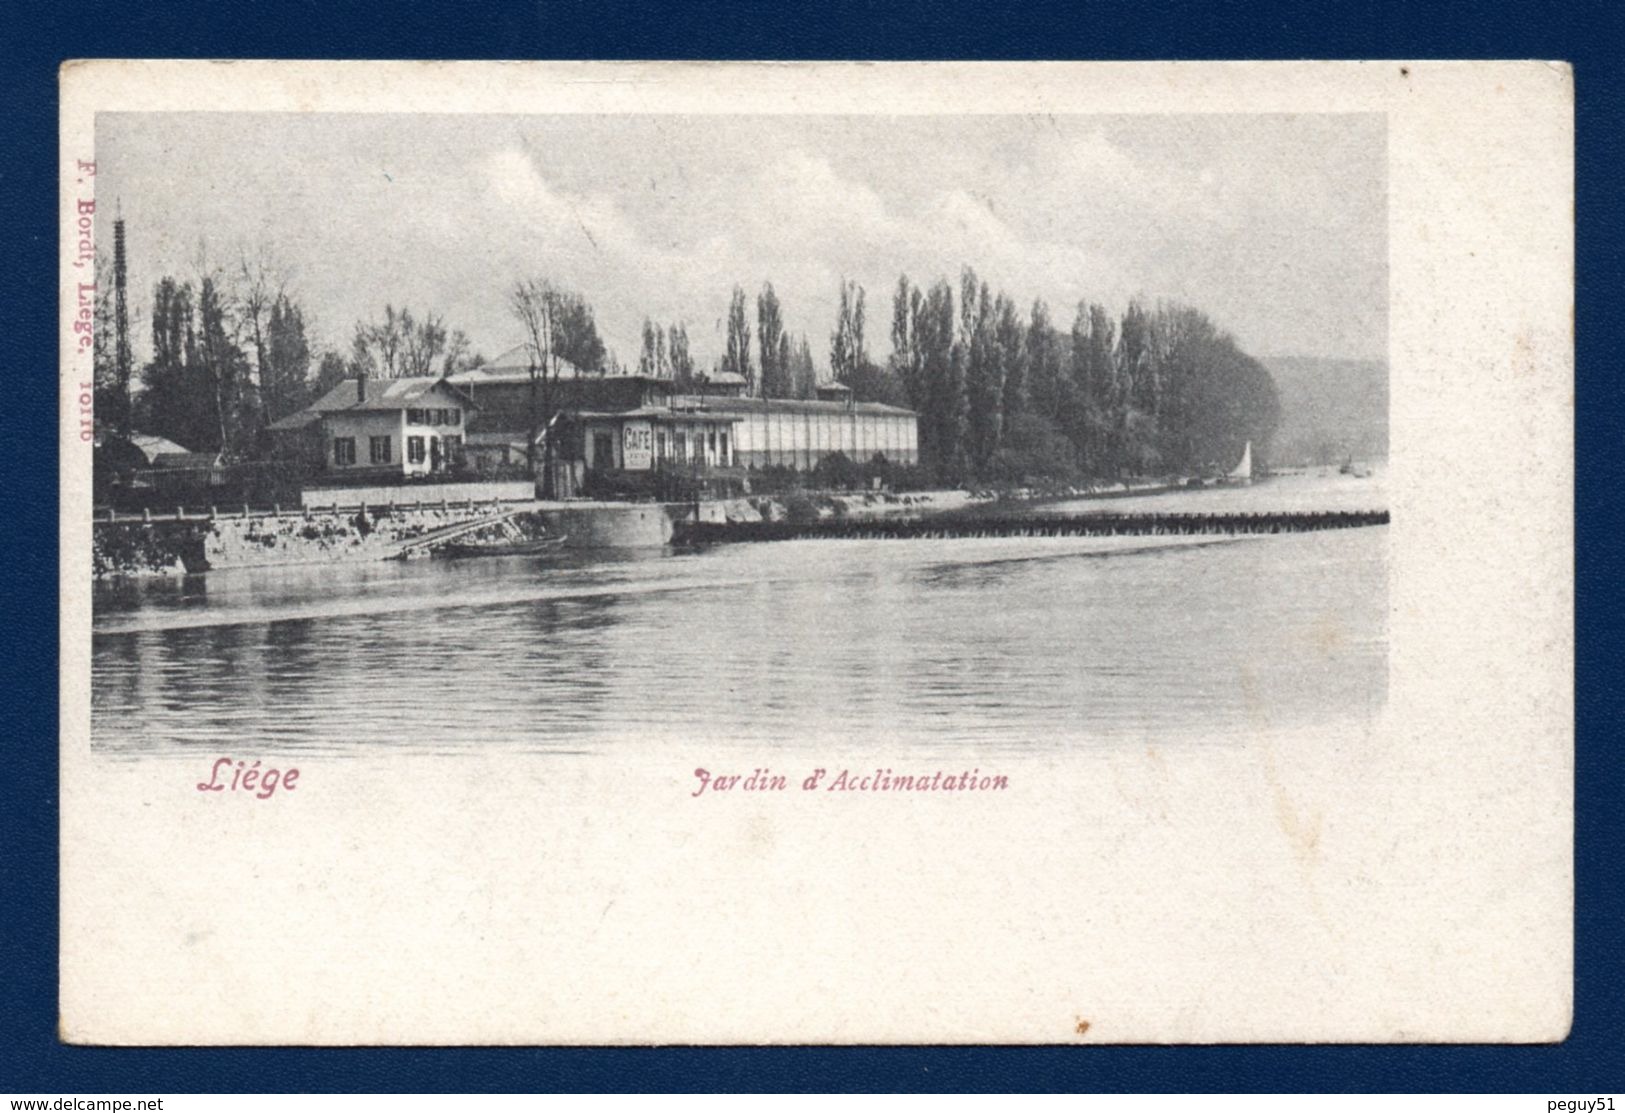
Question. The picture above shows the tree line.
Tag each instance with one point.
(232, 353)
(781, 367)
(1001, 394)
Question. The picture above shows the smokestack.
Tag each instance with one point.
(361, 386)
(121, 330)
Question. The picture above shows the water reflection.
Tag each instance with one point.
(933, 645)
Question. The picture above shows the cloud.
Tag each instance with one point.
(560, 219)
(662, 217)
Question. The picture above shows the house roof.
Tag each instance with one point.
(513, 365)
(383, 394)
(722, 378)
(184, 459)
(654, 413)
(796, 405)
(153, 446)
(485, 440)
(294, 421)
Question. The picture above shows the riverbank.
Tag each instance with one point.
(177, 546)
(136, 547)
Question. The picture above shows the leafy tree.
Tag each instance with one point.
(422, 342)
(1138, 393)
(846, 348)
(945, 409)
(540, 307)
(1046, 393)
(736, 360)
(198, 389)
(1010, 342)
(576, 334)
(460, 355)
(284, 374)
(1092, 416)
(332, 371)
(258, 282)
(649, 359)
(984, 370)
(677, 353)
(1033, 449)
(175, 405)
(375, 346)
(225, 368)
(803, 374)
(773, 344)
(907, 358)
(665, 354)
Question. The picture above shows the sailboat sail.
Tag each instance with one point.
(1244, 470)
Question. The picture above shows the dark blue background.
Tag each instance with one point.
(37, 37)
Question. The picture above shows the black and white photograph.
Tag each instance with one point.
(1002, 432)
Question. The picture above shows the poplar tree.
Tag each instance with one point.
(1044, 366)
(1010, 339)
(175, 404)
(907, 361)
(648, 362)
(773, 344)
(736, 360)
(984, 371)
(680, 361)
(803, 372)
(847, 354)
(284, 374)
(943, 421)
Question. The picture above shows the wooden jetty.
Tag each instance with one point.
(987, 525)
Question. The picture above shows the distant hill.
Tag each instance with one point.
(1331, 409)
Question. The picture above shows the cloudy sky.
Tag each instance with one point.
(1274, 225)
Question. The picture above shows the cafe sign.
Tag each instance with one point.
(637, 446)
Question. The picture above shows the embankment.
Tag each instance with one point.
(200, 543)
(170, 546)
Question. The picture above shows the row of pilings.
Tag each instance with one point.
(983, 525)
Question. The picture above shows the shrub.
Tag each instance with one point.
(800, 508)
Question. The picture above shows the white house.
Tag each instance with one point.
(399, 426)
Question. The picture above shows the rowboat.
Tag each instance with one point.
(504, 546)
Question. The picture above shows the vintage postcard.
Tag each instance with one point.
(816, 553)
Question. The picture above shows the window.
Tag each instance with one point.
(712, 438)
(454, 449)
(660, 445)
(723, 441)
(378, 450)
(682, 447)
(414, 450)
(416, 417)
(343, 451)
(454, 417)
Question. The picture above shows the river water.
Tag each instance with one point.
(923, 645)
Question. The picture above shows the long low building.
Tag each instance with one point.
(798, 434)
(639, 422)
